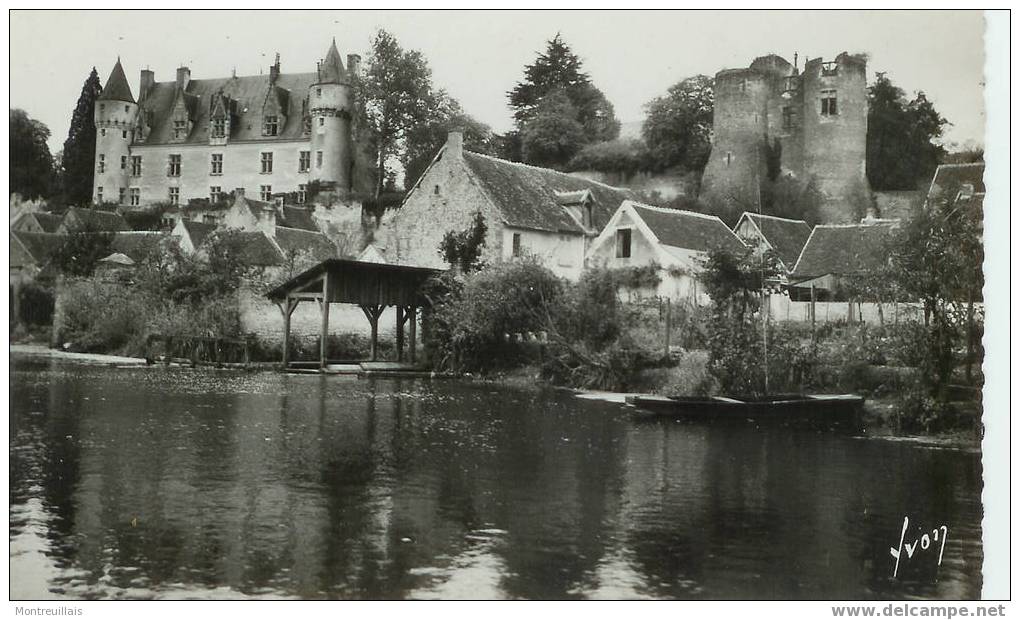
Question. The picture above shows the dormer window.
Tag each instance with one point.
(269, 127)
(219, 127)
(180, 129)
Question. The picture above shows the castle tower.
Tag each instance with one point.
(115, 124)
(331, 108)
(835, 135)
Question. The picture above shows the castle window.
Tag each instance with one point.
(318, 159)
(123, 134)
(99, 195)
(174, 195)
(270, 126)
(266, 192)
(126, 109)
(729, 158)
(102, 107)
(102, 132)
(101, 166)
(829, 103)
(267, 163)
(208, 218)
(214, 194)
(123, 162)
(623, 243)
(180, 129)
(174, 168)
(302, 193)
(787, 118)
(120, 195)
(219, 128)
(318, 92)
(216, 163)
(516, 251)
(136, 196)
(322, 121)
(435, 190)
(830, 68)
(304, 161)
(136, 165)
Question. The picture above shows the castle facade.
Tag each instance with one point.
(273, 136)
(772, 120)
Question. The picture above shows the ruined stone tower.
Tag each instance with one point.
(814, 123)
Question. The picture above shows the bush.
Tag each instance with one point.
(35, 303)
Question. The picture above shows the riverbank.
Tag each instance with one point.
(86, 358)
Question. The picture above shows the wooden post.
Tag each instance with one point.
(372, 313)
(400, 333)
(813, 312)
(325, 321)
(669, 322)
(287, 309)
(412, 329)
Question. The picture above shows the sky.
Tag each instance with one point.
(632, 56)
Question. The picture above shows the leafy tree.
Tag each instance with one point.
(902, 146)
(552, 135)
(424, 140)
(678, 125)
(558, 69)
(79, 160)
(464, 249)
(626, 156)
(397, 95)
(82, 250)
(31, 162)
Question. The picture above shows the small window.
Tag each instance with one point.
(215, 194)
(123, 134)
(729, 158)
(174, 167)
(101, 165)
(102, 132)
(304, 161)
(180, 129)
(267, 163)
(102, 107)
(787, 118)
(136, 196)
(318, 159)
(126, 109)
(435, 190)
(216, 163)
(516, 243)
(270, 126)
(99, 195)
(174, 195)
(121, 192)
(623, 243)
(136, 165)
(123, 162)
(302, 193)
(829, 103)
(322, 121)
(318, 92)
(266, 192)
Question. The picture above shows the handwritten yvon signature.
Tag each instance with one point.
(938, 537)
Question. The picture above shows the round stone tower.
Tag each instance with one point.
(835, 129)
(331, 107)
(115, 115)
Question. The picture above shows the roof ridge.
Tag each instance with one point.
(860, 224)
(532, 167)
(973, 163)
(776, 217)
(674, 211)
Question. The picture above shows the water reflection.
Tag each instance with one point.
(138, 483)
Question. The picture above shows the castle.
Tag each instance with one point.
(274, 136)
(813, 124)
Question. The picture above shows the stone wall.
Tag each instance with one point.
(782, 309)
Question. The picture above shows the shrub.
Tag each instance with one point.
(35, 303)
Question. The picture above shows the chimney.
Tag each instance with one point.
(274, 71)
(354, 64)
(148, 80)
(455, 143)
(183, 77)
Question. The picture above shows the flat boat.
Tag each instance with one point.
(811, 409)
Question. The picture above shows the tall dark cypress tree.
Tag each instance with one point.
(79, 161)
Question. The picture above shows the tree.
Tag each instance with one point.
(31, 162)
(396, 91)
(79, 160)
(82, 250)
(678, 125)
(424, 140)
(626, 156)
(902, 148)
(463, 249)
(558, 69)
(552, 135)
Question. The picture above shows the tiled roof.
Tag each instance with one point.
(116, 87)
(137, 245)
(687, 229)
(258, 250)
(249, 93)
(198, 231)
(39, 246)
(787, 237)
(100, 220)
(48, 222)
(845, 249)
(529, 197)
(293, 240)
(954, 176)
(298, 217)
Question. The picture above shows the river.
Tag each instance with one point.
(179, 483)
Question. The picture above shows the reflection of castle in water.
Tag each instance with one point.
(286, 485)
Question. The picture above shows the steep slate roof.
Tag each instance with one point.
(259, 250)
(527, 196)
(249, 93)
(331, 69)
(297, 217)
(117, 88)
(297, 240)
(948, 176)
(198, 231)
(38, 247)
(787, 237)
(687, 229)
(48, 222)
(845, 249)
(137, 244)
(101, 220)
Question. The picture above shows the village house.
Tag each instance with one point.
(782, 236)
(30, 253)
(675, 242)
(38, 222)
(77, 219)
(835, 253)
(528, 211)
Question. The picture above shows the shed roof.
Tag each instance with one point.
(845, 249)
(786, 236)
(688, 230)
(357, 282)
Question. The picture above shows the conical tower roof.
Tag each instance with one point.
(331, 70)
(117, 88)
